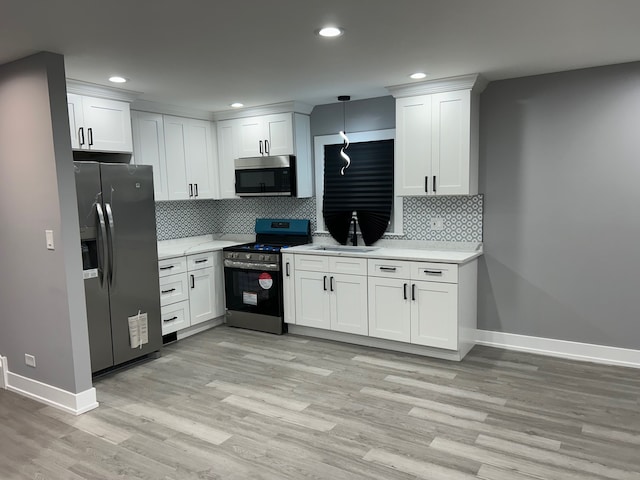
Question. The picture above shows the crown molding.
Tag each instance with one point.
(166, 109)
(94, 90)
(473, 82)
(284, 107)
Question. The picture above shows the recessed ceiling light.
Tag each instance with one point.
(330, 32)
(117, 79)
(418, 75)
(237, 105)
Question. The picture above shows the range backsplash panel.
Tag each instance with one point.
(461, 216)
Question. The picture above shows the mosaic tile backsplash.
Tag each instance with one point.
(461, 215)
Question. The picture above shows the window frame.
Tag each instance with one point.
(319, 142)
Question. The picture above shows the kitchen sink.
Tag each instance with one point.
(345, 248)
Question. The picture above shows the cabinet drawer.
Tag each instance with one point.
(174, 288)
(389, 268)
(348, 265)
(172, 266)
(312, 263)
(434, 272)
(201, 260)
(175, 317)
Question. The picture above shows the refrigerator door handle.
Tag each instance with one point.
(112, 233)
(102, 246)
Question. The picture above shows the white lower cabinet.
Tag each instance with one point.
(390, 309)
(421, 303)
(327, 297)
(206, 286)
(434, 315)
(191, 290)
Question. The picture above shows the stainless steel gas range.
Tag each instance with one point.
(253, 274)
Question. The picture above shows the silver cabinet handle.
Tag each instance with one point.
(112, 239)
(170, 319)
(102, 246)
(404, 289)
(331, 284)
(168, 291)
(324, 283)
(287, 269)
(195, 188)
(81, 135)
(167, 268)
(266, 147)
(202, 261)
(190, 190)
(388, 269)
(437, 273)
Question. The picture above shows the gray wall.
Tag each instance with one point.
(559, 167)
(42, 294)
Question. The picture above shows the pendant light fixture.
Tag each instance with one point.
(344, 99)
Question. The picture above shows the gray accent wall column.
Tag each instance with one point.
(42, 295)
(560, 170)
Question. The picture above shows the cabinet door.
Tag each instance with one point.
(413, 146)
(108, 125)
(390, 308)
(288, 288)
(349, 309)
(227, 153)
(312, 299)
(148, 149)
(434, 315)
(74, 107)
(251, 137)
(451, 117)
(279, 133)
(202, 295)
(200, 158)
(174, 142)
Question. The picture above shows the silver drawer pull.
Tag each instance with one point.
(202, 261)
(167, 268)
(433, 272)
(388, 269)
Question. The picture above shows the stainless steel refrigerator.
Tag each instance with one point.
(120, 259)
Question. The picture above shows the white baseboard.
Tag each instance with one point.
(586, 352)
(200, 327)
(4, 369)
(74, 403)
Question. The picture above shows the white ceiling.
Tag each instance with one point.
(205, 54)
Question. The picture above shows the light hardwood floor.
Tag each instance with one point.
(234, 404)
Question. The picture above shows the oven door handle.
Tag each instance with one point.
(272, 267)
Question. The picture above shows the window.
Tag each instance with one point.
(360, 142)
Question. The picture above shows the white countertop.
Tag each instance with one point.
(429, 254)
(192, 245)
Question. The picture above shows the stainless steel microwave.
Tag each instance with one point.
(266, 176)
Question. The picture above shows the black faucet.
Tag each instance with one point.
(354, 236)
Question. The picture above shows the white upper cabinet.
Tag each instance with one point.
(148, 148)
(265, 135)
(437, 137)
(191, 158)
(99, 124)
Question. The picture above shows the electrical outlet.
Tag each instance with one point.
(436, 223)
(30, 360)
